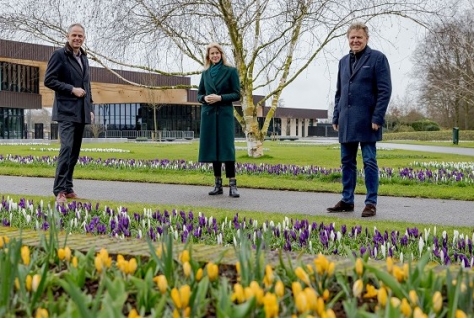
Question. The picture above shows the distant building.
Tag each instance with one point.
(121, 108)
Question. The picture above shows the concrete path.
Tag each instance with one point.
(413, 210)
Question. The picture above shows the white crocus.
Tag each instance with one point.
(140, 235)
(383, 250)
(421, 244)
(401, 257)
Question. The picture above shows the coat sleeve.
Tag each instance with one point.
(384, 89)
(234, 94)
(201, 90)
(335, 115)
(51, 78)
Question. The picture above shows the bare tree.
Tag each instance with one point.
(445, 64)
(271, 42)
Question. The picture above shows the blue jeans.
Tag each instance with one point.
(349, 171)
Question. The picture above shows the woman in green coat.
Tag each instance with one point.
(218, 88)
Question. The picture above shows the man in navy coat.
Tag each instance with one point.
(362, 95)
(68, 76)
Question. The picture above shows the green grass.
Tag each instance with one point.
(326, 156)
(462, 144)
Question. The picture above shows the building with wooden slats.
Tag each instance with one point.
(119, 106)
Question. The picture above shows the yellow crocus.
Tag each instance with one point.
(3, 241)
(74, 262)
(413, 298)
(237, 267)
(176, 298)
(418, 313)
(41, 313)
(176, 313)
(67, 253)
(460, 314)
(398, 273)
(28, 282)
(184, 256)
(382, 296)
(238, 294)
(212, 271)
(296, 288)
(159, 251)
(279, 288)
(326, 295)
(321, 263)
(184, 294)
(371, 292)
(405, 308)
(25, 255)
(187, 312)
(437, 301)
(134, 314)
(132, 266)
(257, 291)
(330, 313)
(302, 275)
(320, 307)
(35, 282)
(199, 273)
(311, 297)
(162, 283)
(270, 305)
(269, 277)
(395, 302)
(301, 302)
(187, 269)
(357, 288)
(359, 267)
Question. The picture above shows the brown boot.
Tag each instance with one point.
(369, 211)
(341, 207)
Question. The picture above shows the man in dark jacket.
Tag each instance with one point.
(68, 75)
(362, 95)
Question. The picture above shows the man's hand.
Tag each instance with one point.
(92, 117)
(212, 98)
(79, 92)
(375, 127)
(335, 127)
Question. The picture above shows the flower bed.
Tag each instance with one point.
(51, 280)
(425, 172)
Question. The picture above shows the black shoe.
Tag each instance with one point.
(233, 189)
(341, 207)
(369, 211)
(217, 187)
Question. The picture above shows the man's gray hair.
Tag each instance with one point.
(358, 26)
(76, 25)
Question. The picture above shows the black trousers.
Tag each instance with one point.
(70, 135)
(229, 169)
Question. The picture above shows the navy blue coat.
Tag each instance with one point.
(62, 74)
(362, 98)
(217, 134)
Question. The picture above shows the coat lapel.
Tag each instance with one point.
(361, 62)
(208, 80)
(75, 64)
(221, 76)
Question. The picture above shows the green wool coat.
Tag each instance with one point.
(216, 139)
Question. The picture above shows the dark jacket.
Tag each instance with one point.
(62, 74)
(362, 98)
(216, 137)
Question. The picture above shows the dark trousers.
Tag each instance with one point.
(70, 135)
(229, 169)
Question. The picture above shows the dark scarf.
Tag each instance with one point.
(215, 68)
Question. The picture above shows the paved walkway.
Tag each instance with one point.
(412, 210)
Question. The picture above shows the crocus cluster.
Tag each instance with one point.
(290, 234)
(436, 173)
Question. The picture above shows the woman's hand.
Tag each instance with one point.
(212, 98)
